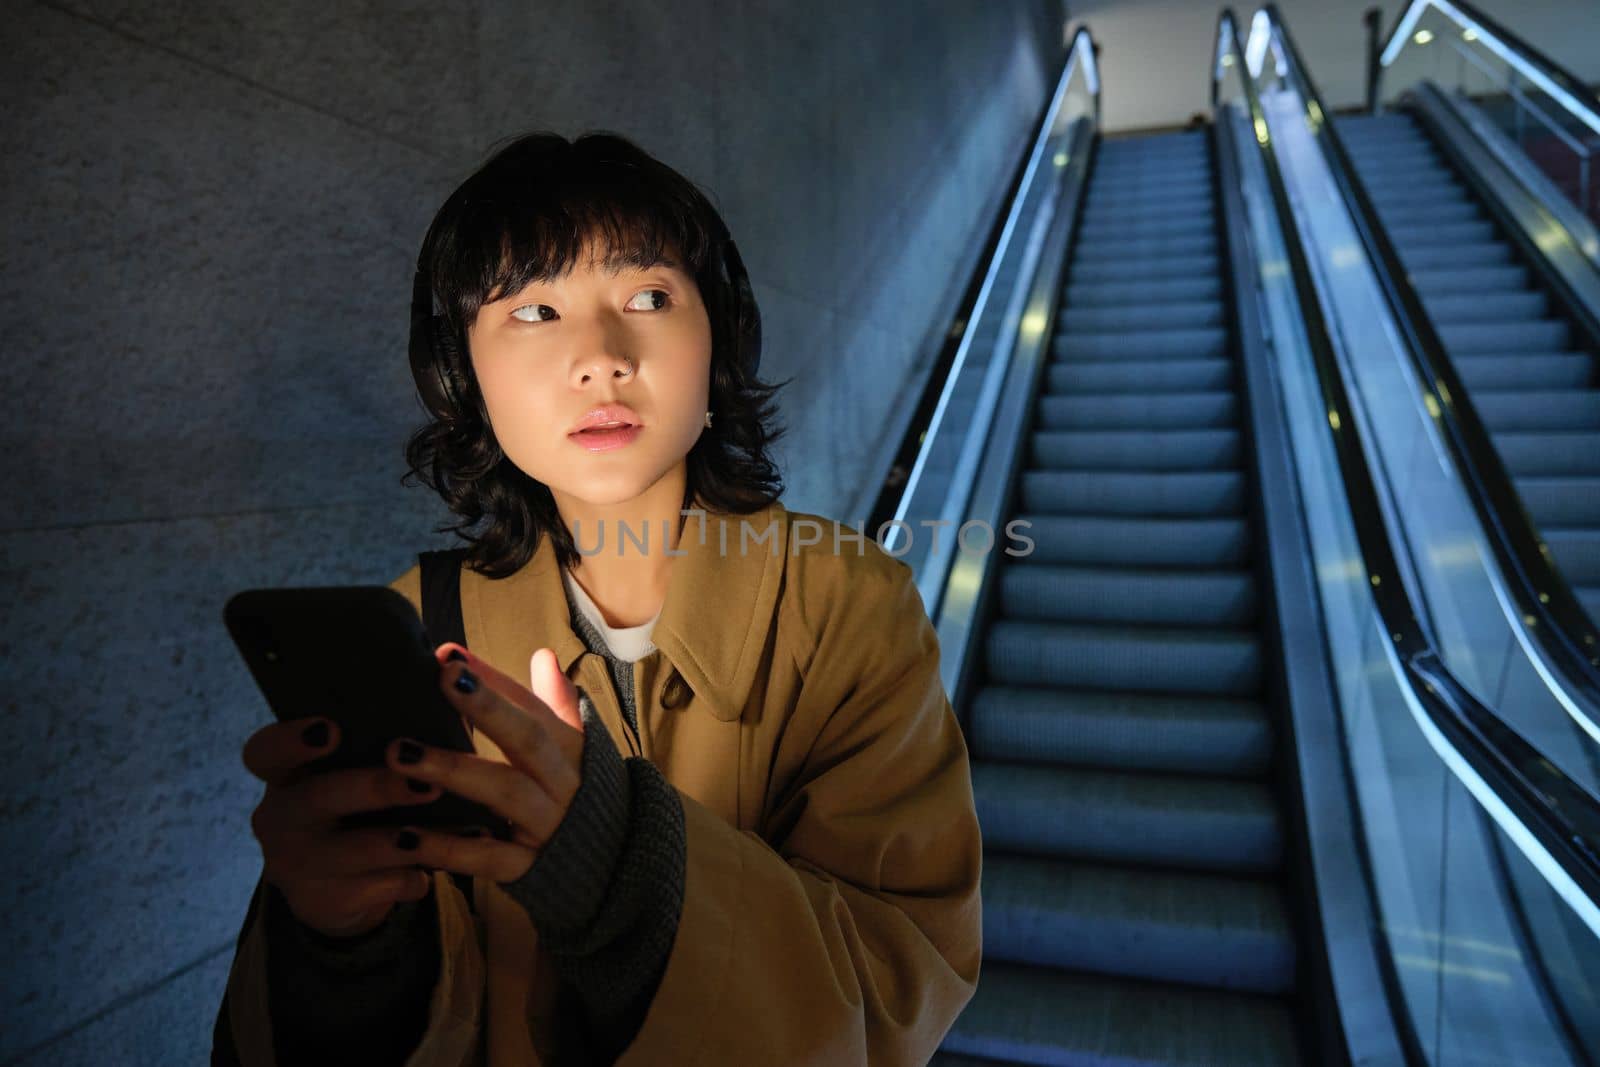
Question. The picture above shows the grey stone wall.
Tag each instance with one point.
(211, 214)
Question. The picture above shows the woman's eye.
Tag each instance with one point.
(534, 310)
(655, 306)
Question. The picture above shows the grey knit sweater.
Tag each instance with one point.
(605, 894)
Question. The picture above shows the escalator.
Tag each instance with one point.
(1529, 376)
(1128, 759)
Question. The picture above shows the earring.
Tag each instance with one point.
(708, 420)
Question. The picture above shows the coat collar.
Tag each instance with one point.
(714, 623)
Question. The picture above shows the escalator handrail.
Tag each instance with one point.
(1548, 612)
(1557, 82)
(1081, 54)
(1543, 803)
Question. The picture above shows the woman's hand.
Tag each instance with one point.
(541, 734)
(338, 881)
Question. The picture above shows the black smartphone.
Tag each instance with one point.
(358, 655)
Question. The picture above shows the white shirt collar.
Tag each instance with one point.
(627, 643)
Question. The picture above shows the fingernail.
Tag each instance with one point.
(407, 841)
(418, 786)
(470, 831)
(457, 655)
(467, 682)
(410, 752)
(315, 735)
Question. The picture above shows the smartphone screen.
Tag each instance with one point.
(358, 655)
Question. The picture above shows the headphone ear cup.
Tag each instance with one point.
(750, 327)
(446, 363)
(746, 316)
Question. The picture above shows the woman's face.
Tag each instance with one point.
(548, 355)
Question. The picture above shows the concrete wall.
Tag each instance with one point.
(211, 215)
(1154, 53)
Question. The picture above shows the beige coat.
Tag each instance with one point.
(831, 906)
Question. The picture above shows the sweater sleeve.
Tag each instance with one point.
(606, 890)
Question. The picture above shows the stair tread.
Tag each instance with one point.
(1039, 1015)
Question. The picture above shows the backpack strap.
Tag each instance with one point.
(441, 595)
(441, 618)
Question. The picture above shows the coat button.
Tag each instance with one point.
(676, 692)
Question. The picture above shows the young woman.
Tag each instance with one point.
(744, 823)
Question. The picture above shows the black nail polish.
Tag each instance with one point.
(410, 752)
(407, 841)
(315, 735)
(418, 786)
(456, 655)
(467, 682)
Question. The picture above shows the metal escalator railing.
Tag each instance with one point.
(1520, 871)
(1520, 448)
(1549, 817)
(1548, 617)
(1500, 65)
(939, 489)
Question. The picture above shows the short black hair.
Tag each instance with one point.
(522, 216)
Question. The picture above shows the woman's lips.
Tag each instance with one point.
(606, 440)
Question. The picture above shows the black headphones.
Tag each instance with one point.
(438, 364)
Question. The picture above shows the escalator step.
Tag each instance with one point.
(1430, 234)
(1486, 307)
(1131, 227)
(1121, 294)
(1114, 203)
(1137, 411)
(1118, 249)
(1454, 209)
(1549, 453)
(1138, 659)
(1541, 335)
(1125, 731)
(1113, 153)
(1133, 270)
(1398, 164)
(1136, 542)
(1137, 317)
(1393, 154)
(1190, 929)
(1109, 169)
(1148, 450)
(1040, 1016)
(1122, 376)
(1590, 599)
(1191, 159)
(1128, 184)
(1566, 501)
(1206, 343)
(1489, 253)
(1212, 494)
(1409, 191)
(1052, 592)
(1178, 208)
(1577, 553)
(1539, 410)
(1552, 370)
(1127, 817)
(1469, 279)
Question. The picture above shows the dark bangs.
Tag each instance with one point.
(524, 216)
